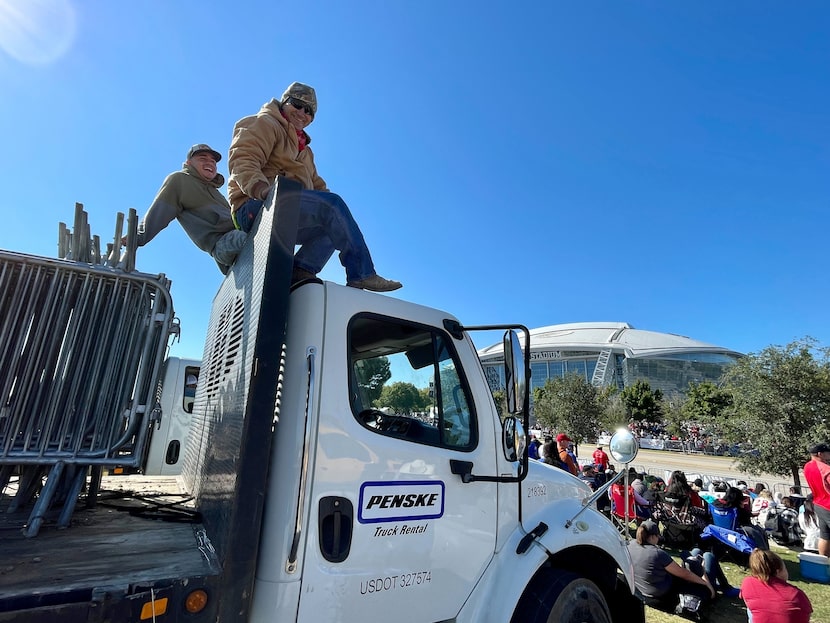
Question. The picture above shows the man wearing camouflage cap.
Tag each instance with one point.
(192, 197)
(274, 142)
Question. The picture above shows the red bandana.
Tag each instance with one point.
(301, 136)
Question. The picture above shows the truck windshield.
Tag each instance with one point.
(405, 382)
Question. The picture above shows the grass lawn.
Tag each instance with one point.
(734, 611)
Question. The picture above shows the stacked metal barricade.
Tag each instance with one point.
(81, 349)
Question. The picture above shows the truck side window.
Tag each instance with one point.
(405, 382)
(191, 379)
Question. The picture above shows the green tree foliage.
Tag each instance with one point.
(641, 403)
(402, 398)
(674, 416)
(500, 398)
(706, 403)
(781, 399)
(613, 415)
(570, 404)
(426, 397)
(372, 374)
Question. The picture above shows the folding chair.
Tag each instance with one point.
(726, 518)
(731, 540)
(681, 526)
(618, 513)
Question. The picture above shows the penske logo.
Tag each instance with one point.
(401, 500)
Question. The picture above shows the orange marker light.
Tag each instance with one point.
(196, 601)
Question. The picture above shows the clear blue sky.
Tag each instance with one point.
(660, 163)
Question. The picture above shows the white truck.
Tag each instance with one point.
(310, 504)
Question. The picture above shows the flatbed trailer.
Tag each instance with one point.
(141, 530)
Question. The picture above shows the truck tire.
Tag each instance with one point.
(562, 597)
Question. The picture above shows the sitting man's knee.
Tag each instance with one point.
(229, 246)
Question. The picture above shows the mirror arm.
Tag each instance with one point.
(586, 503)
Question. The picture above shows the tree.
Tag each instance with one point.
(500, 398)
(614, 415)
(641, 403)
(674, 416)
(371, 375)
(706, 402)
(781, 399)
(570, 404)
(402, 398)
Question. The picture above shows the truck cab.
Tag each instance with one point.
(165, 451)
(420, 513)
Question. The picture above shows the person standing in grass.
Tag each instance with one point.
(817, 475)
(768, 596)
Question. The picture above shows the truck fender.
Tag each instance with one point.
(591, 547)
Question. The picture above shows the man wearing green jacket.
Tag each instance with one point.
(192, 197)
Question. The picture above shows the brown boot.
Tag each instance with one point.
(375, 283)
(301, 274)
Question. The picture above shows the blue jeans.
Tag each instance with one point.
(325, 224)
(709, 564)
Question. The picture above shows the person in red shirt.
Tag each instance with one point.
(767, 594)
(600, 458)
(817, 475)
(562, 441)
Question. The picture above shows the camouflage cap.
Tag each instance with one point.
(202, 147)
(302, 92)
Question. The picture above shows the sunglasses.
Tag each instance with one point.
(300, 105)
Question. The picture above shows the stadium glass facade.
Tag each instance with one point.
(615, 354)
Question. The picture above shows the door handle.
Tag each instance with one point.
(335, 528)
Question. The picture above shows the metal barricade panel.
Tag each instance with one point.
(80, 353)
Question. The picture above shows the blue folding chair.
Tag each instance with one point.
(731, 540)
(722, 517)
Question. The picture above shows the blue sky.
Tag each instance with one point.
(660, 163)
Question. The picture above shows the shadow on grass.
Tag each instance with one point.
(722, 610)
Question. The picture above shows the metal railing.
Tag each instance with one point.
(81, 348)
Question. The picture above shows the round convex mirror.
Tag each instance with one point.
(624, 446)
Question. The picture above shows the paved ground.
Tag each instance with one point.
(657, 462)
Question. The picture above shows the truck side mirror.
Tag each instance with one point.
(514, 438)
(624, 446)
(515, 384)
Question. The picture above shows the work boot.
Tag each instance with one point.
(301, 274)
(375, 283)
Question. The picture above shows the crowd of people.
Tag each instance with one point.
(757, 515)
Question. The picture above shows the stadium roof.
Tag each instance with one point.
(617, 336)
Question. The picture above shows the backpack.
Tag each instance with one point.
(786, 531)
(688, 604)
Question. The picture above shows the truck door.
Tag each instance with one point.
(169, 437)
(394, 535)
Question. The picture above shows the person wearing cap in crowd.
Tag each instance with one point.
(562, 441)
(817, 475)
(600, 458)
(533, 448)
(588, 475)
(659, 578)
(274, 142)
(192, 197)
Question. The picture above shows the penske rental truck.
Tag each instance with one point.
(301, 495)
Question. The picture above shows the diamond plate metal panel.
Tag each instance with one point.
(226, 461)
